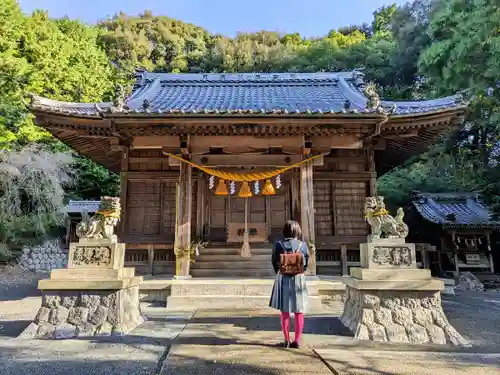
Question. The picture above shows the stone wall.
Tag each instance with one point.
(86, 313)
(44, 257)
(398, 316)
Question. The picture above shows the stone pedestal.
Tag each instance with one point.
(390, 299)
(95, 296)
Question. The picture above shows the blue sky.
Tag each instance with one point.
(310, 18)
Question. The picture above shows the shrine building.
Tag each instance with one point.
(228, 158)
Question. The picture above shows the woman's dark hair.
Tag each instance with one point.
(292, 229)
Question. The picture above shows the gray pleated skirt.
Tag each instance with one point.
(290, 294)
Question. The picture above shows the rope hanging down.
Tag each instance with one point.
(243, 177)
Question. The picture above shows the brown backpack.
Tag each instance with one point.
(292, 263)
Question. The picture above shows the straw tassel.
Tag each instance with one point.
(245, 249)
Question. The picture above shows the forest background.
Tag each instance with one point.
(424, 49)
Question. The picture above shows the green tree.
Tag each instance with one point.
(32, 182)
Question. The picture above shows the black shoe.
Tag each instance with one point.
(294, 345)
(284, 344)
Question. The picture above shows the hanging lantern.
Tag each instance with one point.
(245, 191)
(221, 188)
(268, 188)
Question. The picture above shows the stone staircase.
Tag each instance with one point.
(226, 262)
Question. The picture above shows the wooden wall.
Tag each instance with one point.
(340, 188)
(149, 229)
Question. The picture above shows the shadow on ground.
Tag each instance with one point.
(314, 325)
(12, 328)
(15, 292)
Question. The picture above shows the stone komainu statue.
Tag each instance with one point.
(374, 101)
(383, 224)
(104, 221)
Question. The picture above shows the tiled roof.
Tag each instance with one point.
(78, 207)
(247, 94)
(453, 210)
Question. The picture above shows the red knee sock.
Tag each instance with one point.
(299, 326)
(285, 325)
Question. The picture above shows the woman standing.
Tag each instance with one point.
(290, 289)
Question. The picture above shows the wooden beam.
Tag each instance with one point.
(242, 143)
(240, 160)
(150, 141)
(324, 144)
(345, 176)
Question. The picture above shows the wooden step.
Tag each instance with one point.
(207, 288)
(242, 272)
(266, 265)
(232, 258)
(235, 251)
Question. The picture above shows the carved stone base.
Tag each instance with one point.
(69, 314)
(399, 316)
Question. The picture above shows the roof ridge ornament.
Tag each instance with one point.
(463, 97)
(374, 101)
(118, 103)
(359, 78)
(146, 105)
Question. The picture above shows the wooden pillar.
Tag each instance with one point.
(370, 158)
(183, 233)
(151, 258)
(455, 252)
(123, 193)
(200, 209)
(425, 256)
(307, 211)
(295, 197)
(343, 260)
(490, 255)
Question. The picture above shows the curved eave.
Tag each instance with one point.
(472, 226)
(98, 149)
(410, 135)
(450, 225)
(100, 114)
(73, 109)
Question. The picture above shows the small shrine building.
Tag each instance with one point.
(461, 228)
(228, 158)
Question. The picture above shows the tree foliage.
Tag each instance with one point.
(32, 182)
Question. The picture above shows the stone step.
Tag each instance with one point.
(235, 251)
(227, 302)
(207, 288)
(231, 273)
(232, 258)
(233, 265)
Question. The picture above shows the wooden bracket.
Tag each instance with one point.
(184, 145)
(306, 149)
